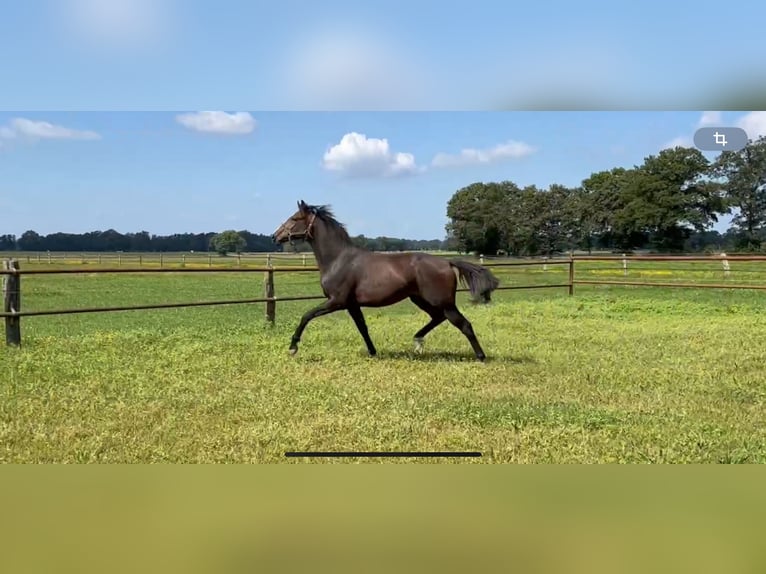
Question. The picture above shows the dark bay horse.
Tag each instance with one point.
(352, 278)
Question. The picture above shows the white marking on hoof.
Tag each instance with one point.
(293, 351)
(419, 345)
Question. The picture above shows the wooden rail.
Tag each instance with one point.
(12, 311)
(12, 274)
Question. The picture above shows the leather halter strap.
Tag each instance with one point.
(307, 233)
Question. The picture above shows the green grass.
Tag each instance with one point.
(610, 375)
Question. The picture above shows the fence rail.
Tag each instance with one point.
(12, 274)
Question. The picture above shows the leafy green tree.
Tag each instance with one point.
(744, 175)
(228, 241)
(491, 217)
(7, 242)
(580, 219)
(553, 228)
(518, 219)
(673, 195)
(30, 241)
(606, 199)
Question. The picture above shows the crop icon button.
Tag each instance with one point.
(720, 139)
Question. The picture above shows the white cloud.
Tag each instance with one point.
(754, 124)
(709, 119)
(238, 123)
(501, 152)
(37, 130)
(359, 156)
(6, 133)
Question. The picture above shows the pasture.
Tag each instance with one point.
(611, 374)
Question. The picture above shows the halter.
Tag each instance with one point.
(307, 233)
(310, 226)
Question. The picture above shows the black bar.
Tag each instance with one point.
(349, 454)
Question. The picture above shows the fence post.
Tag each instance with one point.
(183, 260)
(268, 260)
(210, 260)
(545, 263)
(271, 306)
(725, 262)
(49, 258)
(239, 260)
(12, 302)
(304, 260)
(571, 274)
(624, 265)
(119, 260)
(481, 259)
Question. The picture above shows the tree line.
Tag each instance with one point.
(223, 242)
(667, 204)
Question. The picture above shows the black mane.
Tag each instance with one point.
(324, 212)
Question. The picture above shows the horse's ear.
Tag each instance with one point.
(302, 205)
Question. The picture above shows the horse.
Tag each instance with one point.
(352, 278)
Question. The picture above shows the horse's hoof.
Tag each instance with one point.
(293, 351)
(418, 346)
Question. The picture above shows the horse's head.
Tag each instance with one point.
(298, 226)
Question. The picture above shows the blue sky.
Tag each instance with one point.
(249, 54)
(195, 172)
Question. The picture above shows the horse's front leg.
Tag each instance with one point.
(329, 306)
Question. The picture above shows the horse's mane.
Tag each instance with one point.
(324, 212)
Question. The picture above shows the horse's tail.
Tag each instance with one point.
(479, 280)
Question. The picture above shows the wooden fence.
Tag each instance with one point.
(12, 284)
(163, 259)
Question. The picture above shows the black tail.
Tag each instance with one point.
(479, 280)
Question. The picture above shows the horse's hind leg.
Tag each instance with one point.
(437, 318)
(456, 318)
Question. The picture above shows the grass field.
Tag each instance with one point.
(614, 374)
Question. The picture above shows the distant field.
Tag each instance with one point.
(612, 374)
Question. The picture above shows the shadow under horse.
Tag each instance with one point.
(352, 277)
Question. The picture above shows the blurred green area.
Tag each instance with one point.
(228, 519)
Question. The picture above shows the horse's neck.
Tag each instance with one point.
(327, 247)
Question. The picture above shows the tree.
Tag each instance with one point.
(474, 217)
(672, 195)
(228, 241)
(553, 227)
(663, 201)
(518, 220)
(606, 199)
(488, 217)
(7, 242)
(579, 215)
(744, 173)
(30, 241)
